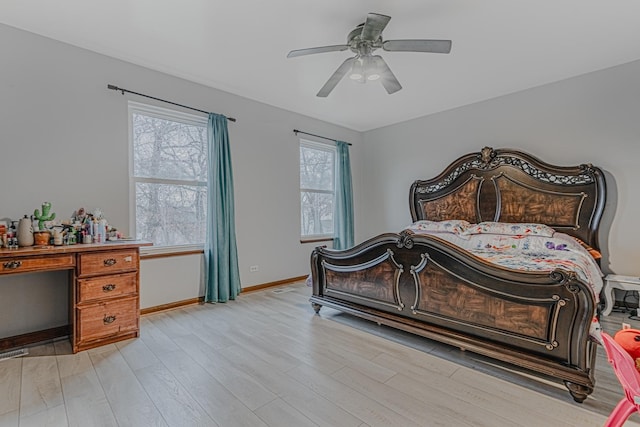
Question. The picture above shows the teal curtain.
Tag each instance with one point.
(222, 276)
(343, 210)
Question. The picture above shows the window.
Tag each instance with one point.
(168, 175)
(317, 189)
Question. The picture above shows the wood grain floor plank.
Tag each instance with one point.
(418, 380)
(264, 349)
(304, 351)
(354, 351)
(425, 383)
(333, 348)
(52, 417)
(172, 399)
(219, 403)
(355, 403)
(279, 413)
(195, 322)
(421, 406)
(10, 419)
(318, 409)
(240, 384)
(473, 407)
(136, 353)
(557, 411)
(84, 398)
(155, 339)
(410, 362)
(10, 384)
(128, 399)
(169, 325)
(41, 389)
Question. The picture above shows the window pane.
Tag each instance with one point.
(317, 213)
(316, 168)
(168, 149)
(171, 214)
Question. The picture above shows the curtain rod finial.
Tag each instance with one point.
(113, 87)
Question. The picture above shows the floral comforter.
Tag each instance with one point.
(527, 252)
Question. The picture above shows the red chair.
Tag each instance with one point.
(625, 368)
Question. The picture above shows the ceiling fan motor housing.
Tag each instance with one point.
(361, 46)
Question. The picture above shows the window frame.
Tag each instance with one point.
(166, 114)
(323, 146)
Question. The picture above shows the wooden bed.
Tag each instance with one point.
(534, 320)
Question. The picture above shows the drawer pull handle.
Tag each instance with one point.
(109, 287)
(109, 262)
(108, 319)
(12, 265)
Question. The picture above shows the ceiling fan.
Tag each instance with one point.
(363, 40)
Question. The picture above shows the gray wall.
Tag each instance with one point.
(64, 139)
(593, 118)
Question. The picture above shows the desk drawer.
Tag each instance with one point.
(107, 262)
(107, 319)
(25, 265)
(102, 287)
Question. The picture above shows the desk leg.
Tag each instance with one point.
(608, 299)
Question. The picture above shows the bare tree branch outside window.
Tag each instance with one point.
(317, 189)
(170, 176)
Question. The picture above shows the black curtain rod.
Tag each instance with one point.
(296, 131)
(112, 87)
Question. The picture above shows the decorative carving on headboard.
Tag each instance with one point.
(487, 154)
(552, 178)
(405, 240)
(444, 183)
(489, 159)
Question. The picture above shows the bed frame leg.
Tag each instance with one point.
(578, 391)
(316, 307)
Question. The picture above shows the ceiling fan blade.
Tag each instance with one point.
(336, 77)
(374, 25)
(388, 80)
(321, 49)
(433, 46)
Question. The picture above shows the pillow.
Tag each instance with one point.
(593, 252)
(511, 229)
(455, 226)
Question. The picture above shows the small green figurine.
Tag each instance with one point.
(46, 207)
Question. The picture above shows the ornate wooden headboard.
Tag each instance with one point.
(510, 186)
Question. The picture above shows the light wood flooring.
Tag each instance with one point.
(267, 360)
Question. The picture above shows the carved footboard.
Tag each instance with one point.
(427, 286)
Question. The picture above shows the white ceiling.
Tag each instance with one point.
(499, 46)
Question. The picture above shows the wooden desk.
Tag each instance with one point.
(104, 288)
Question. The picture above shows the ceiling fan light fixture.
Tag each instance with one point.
(370, 67)
(357, 71)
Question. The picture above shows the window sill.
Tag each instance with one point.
(168, 251)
